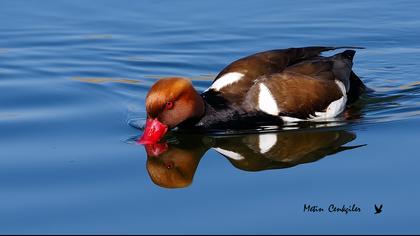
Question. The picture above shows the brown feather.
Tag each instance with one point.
(305, 61)
(297, 95)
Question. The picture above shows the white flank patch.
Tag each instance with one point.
(336, 107)
(290, 128)
(342, 87)
(333, 110)
(226, 80)
(230, 154)
(290, 119)
(266, 142)
(266, 101)
(330, 123)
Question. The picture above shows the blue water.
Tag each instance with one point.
(73, 78)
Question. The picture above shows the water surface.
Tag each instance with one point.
(73, 78)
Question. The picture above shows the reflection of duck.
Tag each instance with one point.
(269, 87)
(172, 165)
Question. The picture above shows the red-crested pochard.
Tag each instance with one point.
(271, 87)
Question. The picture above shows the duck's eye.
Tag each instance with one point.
(170, 165)
(169, 105)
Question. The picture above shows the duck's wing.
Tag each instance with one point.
(234, 81)
(337, 67)
(316, 87)
(291, 95)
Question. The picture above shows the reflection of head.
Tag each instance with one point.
(174, 168)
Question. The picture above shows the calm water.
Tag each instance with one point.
(73, 77)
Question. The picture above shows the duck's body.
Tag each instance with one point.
(280, 86)
(268, 87)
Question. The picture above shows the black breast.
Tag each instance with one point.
(220, 114)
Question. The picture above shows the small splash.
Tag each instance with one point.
(137, 123)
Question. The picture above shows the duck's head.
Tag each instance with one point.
(170, 102)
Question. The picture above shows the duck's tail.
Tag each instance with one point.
(357, 88)
(349, 54)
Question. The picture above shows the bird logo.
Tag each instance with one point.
(378, 209)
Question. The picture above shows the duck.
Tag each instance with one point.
(270, 87)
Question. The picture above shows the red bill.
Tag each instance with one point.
(153, 132)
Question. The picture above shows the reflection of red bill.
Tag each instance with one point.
(154, 150)
(153, 131)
